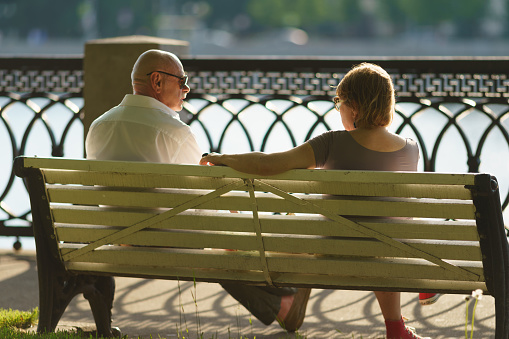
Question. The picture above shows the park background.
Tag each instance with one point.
(264, 27)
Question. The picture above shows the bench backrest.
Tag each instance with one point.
(347, 229)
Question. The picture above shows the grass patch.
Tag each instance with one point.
(18, 319)
(13, 333)
(13, 325)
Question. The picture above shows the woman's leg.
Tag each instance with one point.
(390, 304)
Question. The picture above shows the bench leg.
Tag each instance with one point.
(57, 289)
(55, 294)
(501, 317)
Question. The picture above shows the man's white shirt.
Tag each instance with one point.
(142, 128)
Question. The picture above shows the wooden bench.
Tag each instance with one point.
(395, 231)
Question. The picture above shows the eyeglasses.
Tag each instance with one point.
(182, 80)
(337, 102)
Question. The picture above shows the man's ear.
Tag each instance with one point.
(156, 82)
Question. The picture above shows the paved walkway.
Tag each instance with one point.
(159, 308)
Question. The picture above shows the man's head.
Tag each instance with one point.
(160, 75)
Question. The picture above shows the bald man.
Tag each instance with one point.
(145, 126)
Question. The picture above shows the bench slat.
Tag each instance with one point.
(302, 264)
(175, 273)
(282, 243)
(447, 209)
(166, 257)
(387, 283)
(400, 268)
(372, 248)
(465, 230)
(287, 279)
(326, 187)
(377, 190)
(220, 171)
(163, 238)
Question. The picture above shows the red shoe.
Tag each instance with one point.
(428, 298)
(398, 330)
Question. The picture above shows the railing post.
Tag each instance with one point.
(107, 66)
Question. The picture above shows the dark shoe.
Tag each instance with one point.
(295, 316)
(428, 298)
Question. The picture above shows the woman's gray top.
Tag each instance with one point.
(339, 150)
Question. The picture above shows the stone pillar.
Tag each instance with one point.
(108, 64)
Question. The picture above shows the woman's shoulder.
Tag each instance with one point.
(411, 142)
(403, 142)
(335, 134)
(411, 147)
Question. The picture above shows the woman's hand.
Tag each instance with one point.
(211, 159)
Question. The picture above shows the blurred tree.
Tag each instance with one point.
(303, 13)
(435, 11)
(64, 18)
(464, 14)
(126, 17)
(56, 18)
(390, 11)
(224, 12)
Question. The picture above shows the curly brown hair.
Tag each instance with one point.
(368, 88)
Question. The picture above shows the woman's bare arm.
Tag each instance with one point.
(265, 163)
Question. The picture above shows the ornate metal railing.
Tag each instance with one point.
(454, 108)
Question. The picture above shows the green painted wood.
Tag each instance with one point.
(308, 187)
(302, 264)
(175, 273)
(287, 279)
(278, 224)
(395, 207)
(375, 283)
(166, 257)
(372, 248)
(142, 180)
(373, 189)
(373, 267)
(465, 230)
(221, 171)
(162, 238)
(455, 250)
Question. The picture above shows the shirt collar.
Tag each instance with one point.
(148, 102)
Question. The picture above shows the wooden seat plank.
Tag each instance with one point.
(279, 263)
(451, 191)
(396, 207)
(465, 230)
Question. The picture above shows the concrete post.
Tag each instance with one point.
(108, 64)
